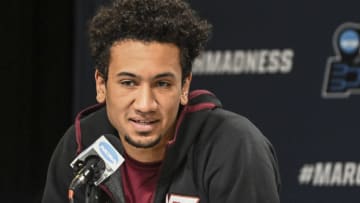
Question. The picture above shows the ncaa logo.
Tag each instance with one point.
(349, 41)
(108, 152)
(342, 74)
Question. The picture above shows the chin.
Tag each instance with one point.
(145, 144)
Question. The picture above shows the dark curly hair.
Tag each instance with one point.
(168, 21)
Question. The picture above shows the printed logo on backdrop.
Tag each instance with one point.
(342, 73)
(274, 61)
(330, 174)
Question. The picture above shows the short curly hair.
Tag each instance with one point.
(164, 21)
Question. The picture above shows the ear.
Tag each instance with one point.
(100, 87)
(185, 90)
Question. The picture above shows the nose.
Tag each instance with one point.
(145, 101)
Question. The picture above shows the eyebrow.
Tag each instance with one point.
(126, 74)
(161, 75)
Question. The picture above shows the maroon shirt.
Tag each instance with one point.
(139, 180)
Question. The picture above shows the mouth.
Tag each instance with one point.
(143, 126)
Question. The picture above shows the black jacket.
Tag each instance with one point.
(217, 156)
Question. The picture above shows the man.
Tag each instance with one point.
(178, 146)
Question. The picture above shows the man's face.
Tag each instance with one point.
(143, 91)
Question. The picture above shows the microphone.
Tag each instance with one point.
(99, 161)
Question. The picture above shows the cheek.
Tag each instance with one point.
(172, 108)
(116, 98)
(116, 109)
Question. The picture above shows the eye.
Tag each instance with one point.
(163, 84)
(128, 83)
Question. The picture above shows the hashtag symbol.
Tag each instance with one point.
(306, 174)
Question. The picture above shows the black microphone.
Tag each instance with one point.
(96, 163)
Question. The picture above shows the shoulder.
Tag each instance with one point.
(90, 118)
(236, 161)
(85, 130)
(230, 126)
(231, 144)
(229, 138)
(91, 126)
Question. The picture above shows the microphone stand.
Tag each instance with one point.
(94, 194)
(90, 194)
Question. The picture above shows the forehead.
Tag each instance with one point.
(141, 57)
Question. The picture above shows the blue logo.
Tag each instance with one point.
(342, 74)
(108, 152)
(349, 41)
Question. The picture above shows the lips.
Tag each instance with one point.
(143, 125)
